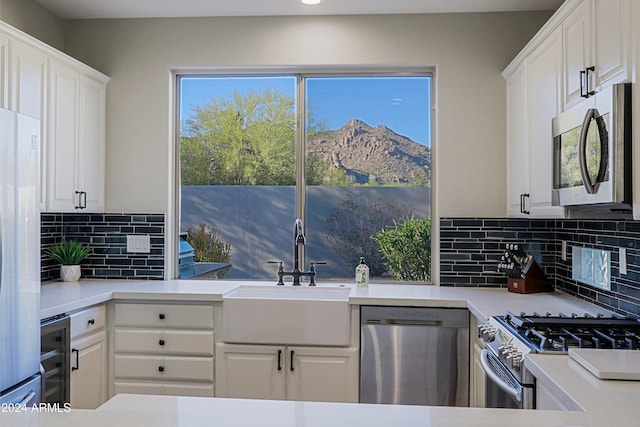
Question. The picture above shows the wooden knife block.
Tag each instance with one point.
(534, 281)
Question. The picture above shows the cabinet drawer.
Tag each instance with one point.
(87, 321)
(164, 367)
(164, 316)
(172, 389)
(170, 341)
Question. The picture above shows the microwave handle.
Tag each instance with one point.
(593, 114)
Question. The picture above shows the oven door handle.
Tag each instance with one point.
(488, 370)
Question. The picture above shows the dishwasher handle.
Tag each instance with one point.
(405, 322)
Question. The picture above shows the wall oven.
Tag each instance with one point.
(592, 152)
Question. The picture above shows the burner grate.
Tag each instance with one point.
(560, 333)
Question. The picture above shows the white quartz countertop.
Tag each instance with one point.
(60, 297)
(595, 402)
(172, 411)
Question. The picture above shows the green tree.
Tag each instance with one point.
(246, 140)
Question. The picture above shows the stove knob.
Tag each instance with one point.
(516, 361)
(489, 333)
(505, 350)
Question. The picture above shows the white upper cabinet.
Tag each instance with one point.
(517, 149)
(576, 33)
(597, 37)
(4, 71)
(586, 46)
(28, 80)
(533, 94)
(76, 141)
(612, 26)
(544, 67)
(68, 98)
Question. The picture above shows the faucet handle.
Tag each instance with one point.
(280, 272)
(312, 272)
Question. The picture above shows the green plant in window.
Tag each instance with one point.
(406, 248)
(208, 244)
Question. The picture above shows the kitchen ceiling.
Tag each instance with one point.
(105, 9)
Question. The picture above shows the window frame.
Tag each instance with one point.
(173, 223)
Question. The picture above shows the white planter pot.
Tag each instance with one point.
(70, 273)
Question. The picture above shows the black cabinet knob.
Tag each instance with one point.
(160, 368)
(91, 321)
(161, 342)
(161, 316)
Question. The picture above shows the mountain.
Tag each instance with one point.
(370, 154)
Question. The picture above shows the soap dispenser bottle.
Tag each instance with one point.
(362, 274)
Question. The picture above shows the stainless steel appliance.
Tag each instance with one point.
(510, 337)
(56, 359)
(414, 356)
(592, 152)
(19, 258)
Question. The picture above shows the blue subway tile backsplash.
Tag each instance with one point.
(106, 235)
(472, 245)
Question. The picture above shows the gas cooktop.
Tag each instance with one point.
(557, 334)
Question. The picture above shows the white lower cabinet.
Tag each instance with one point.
(88, 358)
(328, 374)
(163, 349)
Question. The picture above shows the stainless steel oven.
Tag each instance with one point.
(509, 338)
(502, 389)
(507, 382)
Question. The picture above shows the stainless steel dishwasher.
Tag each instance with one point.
(414, 356)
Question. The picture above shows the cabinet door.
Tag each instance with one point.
(28, 95)
(322, 374)
(544, 70)
(577, 49)
(28, 80)
(517, 152)
(612, 41)
(63, 139)
(4, 72)
(250, 371)
(88, 374)
(91, 136)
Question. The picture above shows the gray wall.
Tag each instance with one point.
(468, 52)
(33, 19)
(258, 222)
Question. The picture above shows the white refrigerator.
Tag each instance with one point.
(19, 259)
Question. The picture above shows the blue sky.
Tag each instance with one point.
(400, 103)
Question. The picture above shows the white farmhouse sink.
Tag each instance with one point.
(287, 315)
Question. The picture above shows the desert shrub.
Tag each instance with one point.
(208, 244)
(351, 225)
(406, 248)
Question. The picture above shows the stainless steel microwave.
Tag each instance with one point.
(592, 152)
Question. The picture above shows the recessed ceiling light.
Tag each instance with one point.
(310, 2)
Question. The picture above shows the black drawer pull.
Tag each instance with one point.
(161, 316)
(160, 368)
(161, 342)
(91, 321)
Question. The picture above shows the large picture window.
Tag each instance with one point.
(348, 154)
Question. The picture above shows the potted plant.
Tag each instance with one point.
(69, 254)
